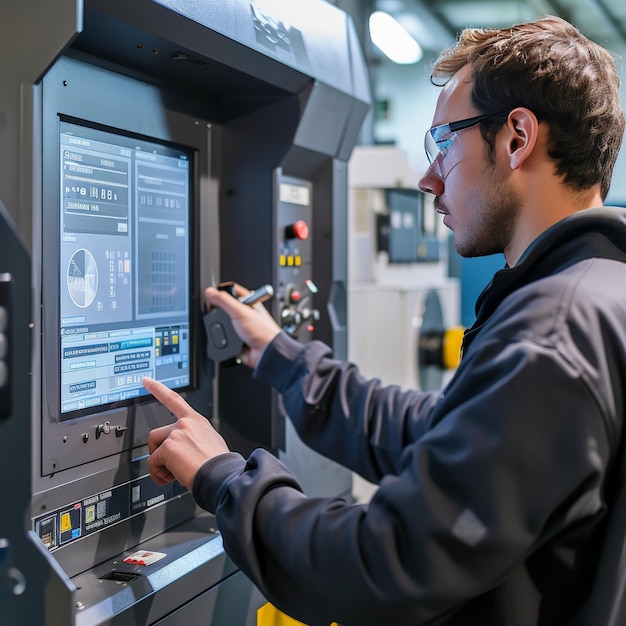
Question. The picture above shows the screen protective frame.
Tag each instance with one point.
(77, 91)
(134, 286)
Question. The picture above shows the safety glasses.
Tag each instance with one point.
(439, 138)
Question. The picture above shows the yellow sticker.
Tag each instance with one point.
(66, 522)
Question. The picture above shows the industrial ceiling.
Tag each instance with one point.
(434, 22)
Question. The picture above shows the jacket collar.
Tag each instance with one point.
(591, 233)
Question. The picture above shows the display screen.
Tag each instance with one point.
(124, 284)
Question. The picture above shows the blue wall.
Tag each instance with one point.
(475, 274)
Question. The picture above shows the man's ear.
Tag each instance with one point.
(523, 129)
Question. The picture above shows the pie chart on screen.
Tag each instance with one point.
(82, 278)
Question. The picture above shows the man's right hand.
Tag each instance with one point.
(253, 324)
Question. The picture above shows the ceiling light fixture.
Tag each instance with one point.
(393, 39)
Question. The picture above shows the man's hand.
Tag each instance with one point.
(177, 451)
(253, 324)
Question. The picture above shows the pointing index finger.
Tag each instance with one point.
(166, 396)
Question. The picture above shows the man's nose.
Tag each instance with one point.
(432, 181)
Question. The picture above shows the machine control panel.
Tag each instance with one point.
(86, 516)
(296, 289)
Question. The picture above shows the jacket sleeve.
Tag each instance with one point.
(340, 414)
(470, 497)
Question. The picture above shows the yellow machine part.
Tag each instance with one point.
(451, 348)
(269, 615)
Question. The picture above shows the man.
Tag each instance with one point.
(493, 494)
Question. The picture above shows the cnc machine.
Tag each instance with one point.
(147, 150)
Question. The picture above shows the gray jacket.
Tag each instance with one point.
(493, 493)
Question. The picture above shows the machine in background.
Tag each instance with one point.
(148, 150)
(404, 306)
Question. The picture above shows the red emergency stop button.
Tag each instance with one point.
(298, 230)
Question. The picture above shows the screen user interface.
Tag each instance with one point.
(124, 267)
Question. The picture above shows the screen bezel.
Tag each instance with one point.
(84, 127)
(76, 90)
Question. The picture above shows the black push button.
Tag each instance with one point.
(5, 345)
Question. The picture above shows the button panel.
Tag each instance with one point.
(297, 309)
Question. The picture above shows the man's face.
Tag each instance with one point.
(471, 192)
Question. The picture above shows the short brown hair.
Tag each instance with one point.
(568, 81)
